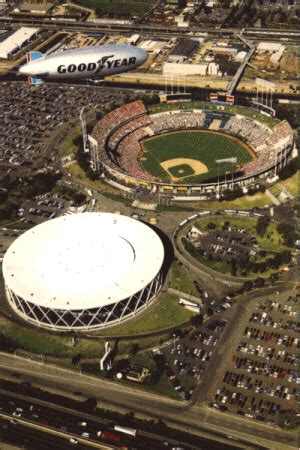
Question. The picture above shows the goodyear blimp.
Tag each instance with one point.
(87, 62)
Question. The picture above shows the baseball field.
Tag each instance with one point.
(190, 156)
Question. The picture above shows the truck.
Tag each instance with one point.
(126, 430)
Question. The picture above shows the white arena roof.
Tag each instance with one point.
(16, 40)
(83, 261)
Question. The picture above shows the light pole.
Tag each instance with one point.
(174, 336)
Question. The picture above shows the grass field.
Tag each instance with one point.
(119, 8)
(205, 147)
(165, 313)
(179, 279)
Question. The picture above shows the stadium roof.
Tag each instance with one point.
(184, 47)
(83, 261)
(16, 40)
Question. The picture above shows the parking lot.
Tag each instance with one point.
(29, 114)
(260, 378)
(42, 208)
(188, 356)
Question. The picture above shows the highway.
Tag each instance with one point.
(67, 423)
(289, 36)
(193, 418)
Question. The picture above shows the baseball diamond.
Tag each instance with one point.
(174, 156)
(180, 168)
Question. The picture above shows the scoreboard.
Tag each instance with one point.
(221, 98)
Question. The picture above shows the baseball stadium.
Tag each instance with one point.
(187, 152)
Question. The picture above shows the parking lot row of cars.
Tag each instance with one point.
(268, 353)
(188, 356)
(259, 386)
(271, 337)
(42, 208)
(260, 378)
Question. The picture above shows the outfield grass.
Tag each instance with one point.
(203, 146)
(165, 313)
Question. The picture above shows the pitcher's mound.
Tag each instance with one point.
(179, 168)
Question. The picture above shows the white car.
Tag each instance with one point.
(86, 435)
(73, 441)
(82, 424)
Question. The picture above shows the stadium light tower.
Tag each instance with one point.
(232, 161)
(84, 132)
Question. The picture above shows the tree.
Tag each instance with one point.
(289, 169)
(134, 348)
(259, 282)
(248, 285)
(76, 359)
(209, 311)
(234, 267)
(197, 320)
(288, 233)
(229, 194)
(262, 225)
(211, 226)
(273, 277)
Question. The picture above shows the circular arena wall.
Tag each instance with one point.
(83, 271)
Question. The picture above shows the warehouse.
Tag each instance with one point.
(183, 50)
(173, 69)
(17, 40)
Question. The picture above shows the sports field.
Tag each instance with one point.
(189, 156)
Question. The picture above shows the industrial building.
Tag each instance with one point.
(13, 42)
(183, 50)
(173, 69)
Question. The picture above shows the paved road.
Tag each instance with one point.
(194, 418)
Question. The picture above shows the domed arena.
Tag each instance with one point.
(83, 271)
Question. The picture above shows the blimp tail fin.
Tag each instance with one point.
(35, 80)
(32, 56)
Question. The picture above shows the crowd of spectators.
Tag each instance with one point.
(113, 120)
(181, 120)
(269, 145)
(121, 132)
(252, 132)
(129, 152)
